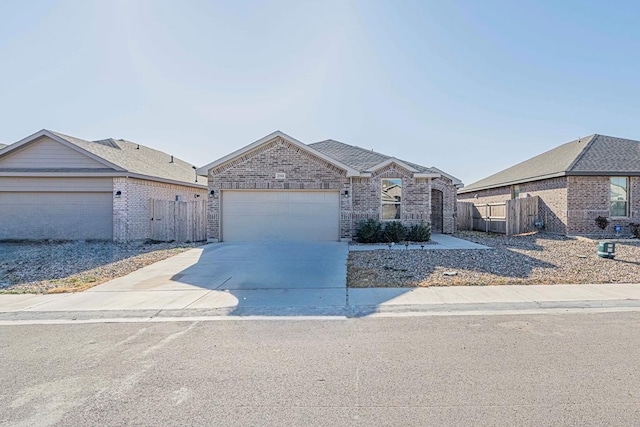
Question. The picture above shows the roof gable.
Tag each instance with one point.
(389, 161)
(267, 140)
(124, 157)
(45, 150)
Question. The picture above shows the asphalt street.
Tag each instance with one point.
(543, 369)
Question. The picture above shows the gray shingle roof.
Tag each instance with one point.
(138, 159)
(595, 154)
(609, 154)
(359, 158)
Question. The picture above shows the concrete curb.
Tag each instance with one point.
(300, 313)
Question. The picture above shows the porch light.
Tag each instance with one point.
(212, 194)
(118, 194)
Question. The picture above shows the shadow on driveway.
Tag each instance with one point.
(274, 278)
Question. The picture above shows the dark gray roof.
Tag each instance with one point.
(609, 154)
(591, 155)
(359, 158)
(138, 159)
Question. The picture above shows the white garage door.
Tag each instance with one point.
(280, 215)
(63, 216)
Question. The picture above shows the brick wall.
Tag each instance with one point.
(589, 198)
(256, 170)
(492, 195)
(552, 209)
(449, 205)
(131, 211)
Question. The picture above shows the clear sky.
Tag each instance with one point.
(470, 87)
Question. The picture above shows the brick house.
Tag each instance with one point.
(278, 188)
(577, 182)
(54, 186)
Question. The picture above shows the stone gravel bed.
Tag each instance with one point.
(53, 267)
(516, 260)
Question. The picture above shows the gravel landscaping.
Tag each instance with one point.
(516, 260)
(53, 267)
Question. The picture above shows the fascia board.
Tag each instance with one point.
(465, 190)
(204, 170)
(393, 160)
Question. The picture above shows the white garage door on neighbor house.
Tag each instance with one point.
(64, 216)
(280, 215)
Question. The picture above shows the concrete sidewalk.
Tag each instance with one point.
(197, 302)
(200, 283)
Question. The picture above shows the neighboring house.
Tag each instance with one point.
(577, 182)
(53, 186)
(278, 188)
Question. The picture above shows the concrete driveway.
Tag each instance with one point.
(243, 266)
(268, 278)
(275, 265)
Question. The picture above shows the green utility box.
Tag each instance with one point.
(607, 250)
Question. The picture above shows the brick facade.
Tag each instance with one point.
(256, 170)
(588, 198)
(131, 211)
(449, 203)
(569, 204)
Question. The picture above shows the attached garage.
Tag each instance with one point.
(280, 215)
(58, 216)
(56, 208)
(57, 187)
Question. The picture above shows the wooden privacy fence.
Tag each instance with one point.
(178, 221)
(510, 217)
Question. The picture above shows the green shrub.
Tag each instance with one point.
(602, 222)
(369, 231)
(394, 232)
(419, 233)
